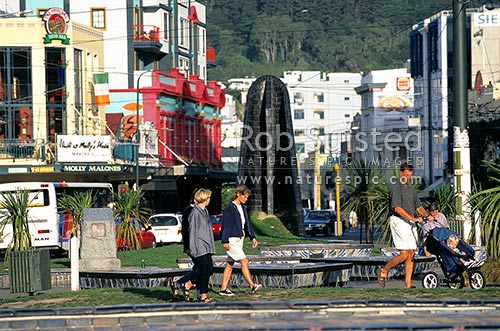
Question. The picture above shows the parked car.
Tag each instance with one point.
(320, 222)
(146, 237)
(216, 225)
(167, 228)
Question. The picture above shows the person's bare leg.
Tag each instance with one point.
(393, 262)
(246, 272)
(409, 267)
(226, 276)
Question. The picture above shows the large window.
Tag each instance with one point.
(433, 46)
(55, 90)
(15, 94)
(416, 54)
(98, 18)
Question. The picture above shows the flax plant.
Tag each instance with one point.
(369, 195)
(446, 198)
(15, 213)
(74, 206)
(127, 208)
(487, 202)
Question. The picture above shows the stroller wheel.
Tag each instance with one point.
(457, 282)
(477, 280)
(430, 280)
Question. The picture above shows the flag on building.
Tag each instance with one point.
(101, 89)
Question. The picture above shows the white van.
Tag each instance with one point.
(167, 228)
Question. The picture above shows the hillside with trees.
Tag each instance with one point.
(257, 37)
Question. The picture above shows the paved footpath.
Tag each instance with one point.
(312, 316)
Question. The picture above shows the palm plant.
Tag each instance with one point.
(16, 214)
(74, 205)
(127, 208)
(369, 195)
(487, 202)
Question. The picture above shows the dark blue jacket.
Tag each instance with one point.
(231, 224)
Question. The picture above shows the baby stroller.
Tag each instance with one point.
(450, 262)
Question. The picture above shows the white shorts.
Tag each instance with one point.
(404, 233)
(235, 251)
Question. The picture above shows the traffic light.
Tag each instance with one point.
(122, 189)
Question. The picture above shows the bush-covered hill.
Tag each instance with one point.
(256, 37)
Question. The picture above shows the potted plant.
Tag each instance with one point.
(29, 268)
(126, 209)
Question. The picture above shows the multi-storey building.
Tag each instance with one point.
(431, 52)
(387, 132)
(154, 58)
(323, 106)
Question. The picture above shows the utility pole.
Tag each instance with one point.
(461, 146)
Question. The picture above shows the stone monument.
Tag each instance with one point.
(268, 160)
(98, 240)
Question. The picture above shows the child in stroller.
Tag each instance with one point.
(454, 261)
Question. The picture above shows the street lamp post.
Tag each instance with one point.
(137, 131)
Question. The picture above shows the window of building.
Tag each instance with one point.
(321, 131)
(347, 98)
(98, 18)
(165, 26)
(319, 97)
(319, 114)
(299, 132)
(184, 33)
(203, 46)
(416, 54)
(16, 117)
(298, 98)
(300, 148)
(298, 114)
(322, 148)
(78, 92)
(346, 81)
(347, 115)
(433, 46)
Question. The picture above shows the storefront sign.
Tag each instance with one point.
(87, 149)
(44, 169)
(56, 23)
(91, 168)
(487, 19)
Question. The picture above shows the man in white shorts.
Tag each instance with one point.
(235, 226)
(404, 202)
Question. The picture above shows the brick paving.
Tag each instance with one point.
(334, 315)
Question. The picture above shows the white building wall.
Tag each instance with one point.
(115, 37)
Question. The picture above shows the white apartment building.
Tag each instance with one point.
(323, 106)
(386, 133)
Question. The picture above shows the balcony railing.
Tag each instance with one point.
(22, 149)
(146, 33)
